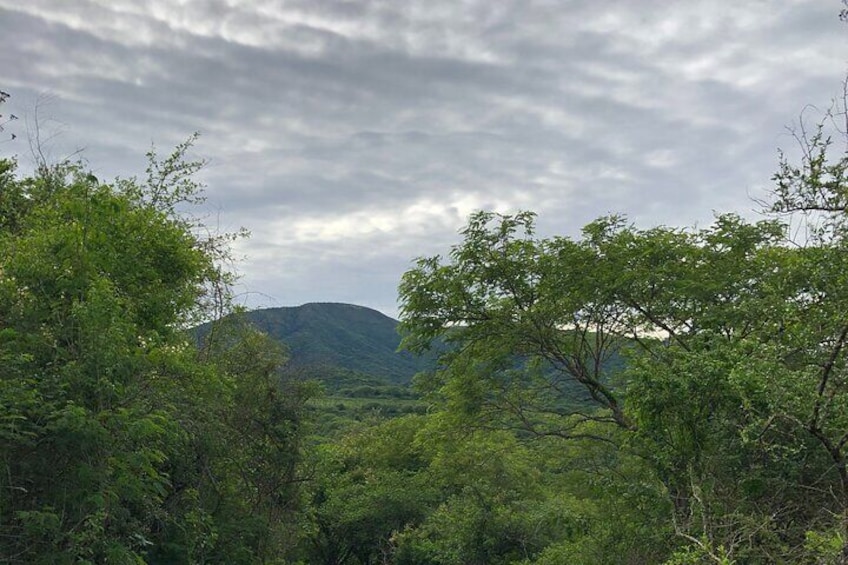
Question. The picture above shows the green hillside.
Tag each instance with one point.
(356, 338)
(345, 345)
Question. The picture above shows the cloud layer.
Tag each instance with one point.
(352, 136)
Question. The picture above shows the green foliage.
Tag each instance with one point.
(367, 488)
(324, 337)
(92, 284)
(119, 441)
(257, 492)
(492, 506)
(733, 392)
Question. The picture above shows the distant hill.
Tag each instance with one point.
(352, 337)
(351, 348)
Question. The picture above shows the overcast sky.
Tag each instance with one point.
(351, 137)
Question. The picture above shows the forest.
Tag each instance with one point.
(629, 396)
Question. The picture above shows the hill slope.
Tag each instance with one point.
(340, 335)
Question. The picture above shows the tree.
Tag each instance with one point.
(93, 285)
(816, 189)
(119, 440)
(258, 432)
(536, 321)
(719, 353)
(501, 299)
(369, 485)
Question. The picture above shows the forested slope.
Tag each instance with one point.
(352, 337)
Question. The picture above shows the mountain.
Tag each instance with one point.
(340, 335)
(353, 351)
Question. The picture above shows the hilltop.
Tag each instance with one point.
(347, 336)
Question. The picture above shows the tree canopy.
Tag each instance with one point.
(120, 441)
(718, 355)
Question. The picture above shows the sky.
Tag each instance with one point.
(352, 136)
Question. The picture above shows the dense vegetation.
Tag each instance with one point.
(340, 335)
(727, 427)
(121, 442)
(629, 396)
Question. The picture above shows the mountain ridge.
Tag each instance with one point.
(336, 334)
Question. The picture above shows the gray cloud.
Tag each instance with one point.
(351, 137)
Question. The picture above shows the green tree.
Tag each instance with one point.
(494, 504)
(259, 438)
(815, 192)
(120, 442)
(420, 489)
(369, 485)
(93, 285)
(733, 338)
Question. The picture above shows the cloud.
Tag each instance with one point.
(351, 137)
